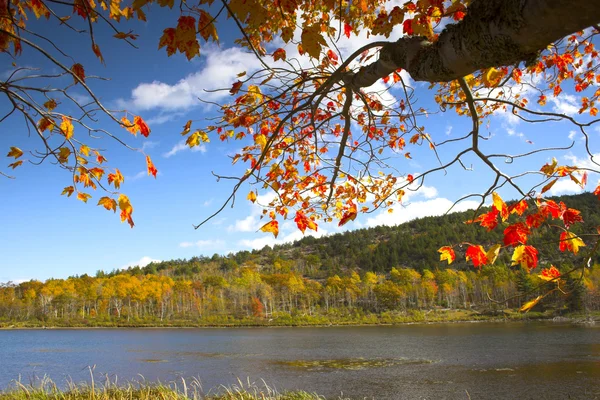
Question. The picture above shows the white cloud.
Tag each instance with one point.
(565, 104)
(584, 162)
(204, 244)
(248, 224)
(565, 186)
(182, 146)
(219, 71)
(419, 209)
(142, 262)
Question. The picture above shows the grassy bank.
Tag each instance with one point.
(385, 318)
(49, 391)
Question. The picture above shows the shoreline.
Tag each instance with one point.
(575, 319)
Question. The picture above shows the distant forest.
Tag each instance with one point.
(374, 270)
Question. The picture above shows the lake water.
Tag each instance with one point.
(438, 361)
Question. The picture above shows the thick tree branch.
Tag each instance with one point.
(493, 33)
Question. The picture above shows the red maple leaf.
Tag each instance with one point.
(516, 234)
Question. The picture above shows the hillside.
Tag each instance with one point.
(411, 245)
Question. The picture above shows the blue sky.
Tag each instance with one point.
(43, 234)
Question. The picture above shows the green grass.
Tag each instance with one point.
(48, 390)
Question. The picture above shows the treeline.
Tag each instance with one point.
(279, 290)
(355, 273)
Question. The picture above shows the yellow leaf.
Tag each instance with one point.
(261, 140)
(63, 155)
(530, 304)
(252, 196)
(126, 209)
(85, 150)
(272, 227)
(15, 152)
(50, 104)
(500, 206)
(492, 254)
(312, 40)
(491, 77)
(66, 127)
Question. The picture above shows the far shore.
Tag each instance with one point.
(437, 318)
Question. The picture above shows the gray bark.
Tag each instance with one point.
(493, 33)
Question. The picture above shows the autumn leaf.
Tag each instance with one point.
(97, 52)
(116, 179)
(279, 54)
(206, 27)
(83, 197)
(66, 127)
(236, 87)
(548, 186)
(15, 152)
(447, 253)
(516, 234)
(492, 254)
(186, 128)
(500, 206)
(124, 35)
(526, 256)
(303, 222)
(518, 208)
(491, 77)
(530, 304)
(312, 40)
(571, 216)
(477, 255)
(488, 220)
(151, 168)
(350, 215)
(347, 30)
(251, 196)
(68, 191)
(15, 164)
(45, 124)
(570, 241)
(550, 274)
(108, 203)
(126, 209)
(85, 150)
(78, 72)
(141, 126)
(272, 226)
(50, 105)
(63, 155)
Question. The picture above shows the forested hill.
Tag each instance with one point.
(412, 245)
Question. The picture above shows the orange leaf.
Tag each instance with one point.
(526, 256)
(279, 54)
(516, 234)
(151, 168)
(116, 179)
(186, 128)
(15, 152)
(550, 274)
(97, 52)
(83, 196)
(251, 196)
(15, 164)
(304, 222)
(108, 203)
(68, 191)
(571, 242)
(272, 227)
